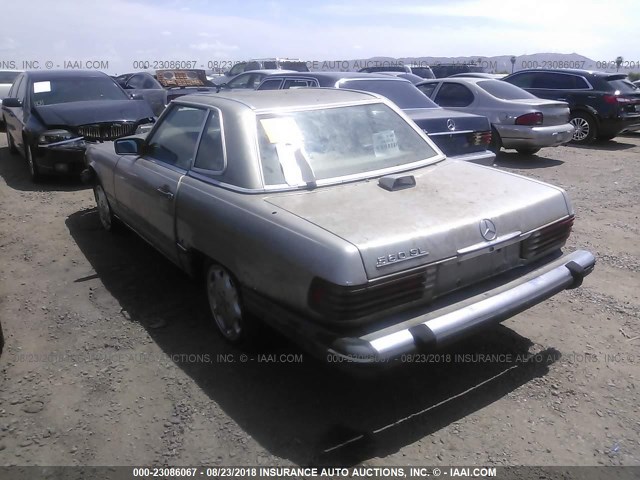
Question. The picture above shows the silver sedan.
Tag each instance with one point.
(519, 120)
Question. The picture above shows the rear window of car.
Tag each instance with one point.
(504, 90)
(424, 72)
(402, 93)
(332, 143)
(623, 86)
(8, 77)
(75, 89)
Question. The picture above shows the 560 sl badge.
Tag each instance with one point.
(400, 257)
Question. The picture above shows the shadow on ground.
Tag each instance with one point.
(615, 145)
(512, 159)
(15, 172)
(307, 412)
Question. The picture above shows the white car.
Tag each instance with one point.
(519, 120)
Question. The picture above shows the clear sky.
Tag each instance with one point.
(122, 31)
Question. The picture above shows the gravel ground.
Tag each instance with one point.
(110, 359)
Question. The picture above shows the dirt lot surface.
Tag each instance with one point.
(110, 359)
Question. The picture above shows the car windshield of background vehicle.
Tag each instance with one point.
(8, 77)
(504, 90)
(402, 93)
(298, 148)
(66, 90)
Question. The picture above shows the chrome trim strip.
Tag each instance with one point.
(452, 132)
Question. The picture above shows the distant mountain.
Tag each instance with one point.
(497, 64)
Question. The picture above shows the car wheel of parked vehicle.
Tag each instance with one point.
(12, 146)
(585, 127)
(33, 167)
(104, 209)
(527, 151)
(225, 304)
(496, 141)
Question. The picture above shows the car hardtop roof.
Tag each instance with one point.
(575, 71)
(43, 75)
(458, 80)
(268, 71)
(289, 98)
(337, 76)
(275, 59)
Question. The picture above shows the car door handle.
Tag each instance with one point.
(165, 193)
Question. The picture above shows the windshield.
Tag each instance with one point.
(8, 77)
(298, 148)
(78, 89)
(402, 93)
(504, 90)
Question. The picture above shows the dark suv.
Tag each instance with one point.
(602, 105)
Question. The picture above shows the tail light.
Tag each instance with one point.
(547, 239)
(338, 302)
(614, 99)
(534, 118)
(480, 138)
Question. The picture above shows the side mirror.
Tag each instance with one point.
(11, 102)
(128, 146)
(136, 96)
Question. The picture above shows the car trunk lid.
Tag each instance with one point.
(455, 133)
(553, 113)
(440, 218)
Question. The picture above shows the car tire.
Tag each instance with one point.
(585, 128)
(225, 302)
(527, 151)
(12, 146)
(34, 172)
(107, 219)
(496, 141)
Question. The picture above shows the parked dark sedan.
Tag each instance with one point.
(145, 85)
(461, 136)
(50, 115)
(602, 105)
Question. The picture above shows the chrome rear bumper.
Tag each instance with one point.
(429, 330)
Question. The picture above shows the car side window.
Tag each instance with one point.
(295, 83)
(175, 139)
(136, 81)
(581, 83)
(454, 95)
(241, 81)
(524, 80)
(555, 81)
(272, 84)
(237, 69)
(427, 88)
(210, 154)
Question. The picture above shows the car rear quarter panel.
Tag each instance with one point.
(267, 248)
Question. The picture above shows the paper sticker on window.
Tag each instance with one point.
(295, 165)
(282, 130)
(385, 143)
(41, 87)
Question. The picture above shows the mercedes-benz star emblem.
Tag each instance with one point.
(451, 125)
(488, 229)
